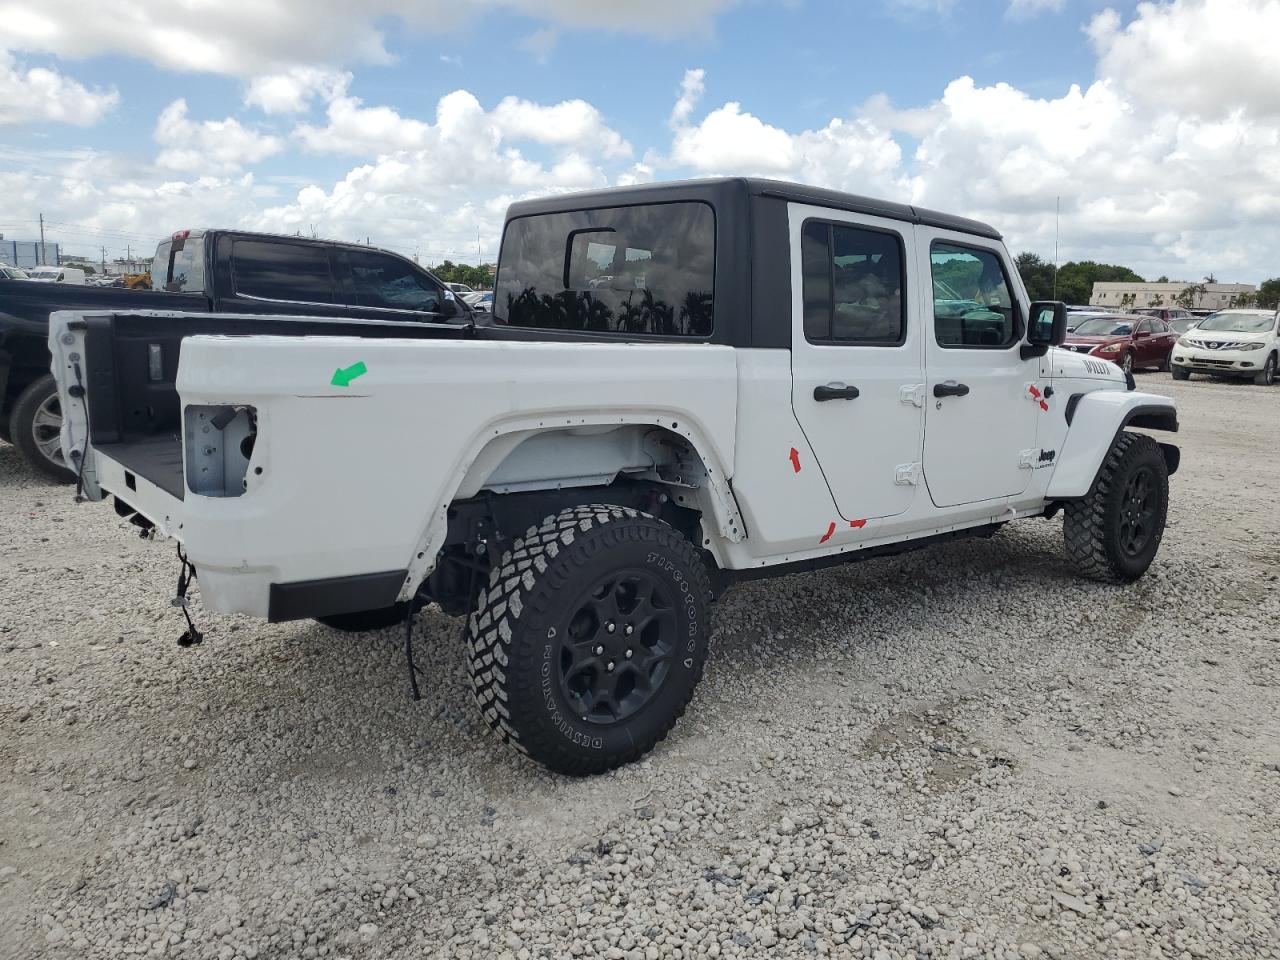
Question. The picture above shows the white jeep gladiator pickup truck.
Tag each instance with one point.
(686, 384)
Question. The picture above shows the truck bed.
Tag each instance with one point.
(132, 364)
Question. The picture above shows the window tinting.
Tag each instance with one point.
(972, 305)
(383, 281)
(853, 284)
(282, 271)
(645, 269)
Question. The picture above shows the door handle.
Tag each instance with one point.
(835, 391)
(949, 388)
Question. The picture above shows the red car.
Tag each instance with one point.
(1127, 340)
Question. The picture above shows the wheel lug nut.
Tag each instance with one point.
(599, 649)
(629, 630)
(629, 653)
(609, 666)
(611, 626)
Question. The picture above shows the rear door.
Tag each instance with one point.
(983, 399)
(856, 356)
(276, 276)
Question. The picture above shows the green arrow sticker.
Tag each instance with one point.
(343, 376)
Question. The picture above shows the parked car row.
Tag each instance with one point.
(1229, 343)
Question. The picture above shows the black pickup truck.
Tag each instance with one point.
(206, 271)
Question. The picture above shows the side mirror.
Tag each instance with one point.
(1048, 328)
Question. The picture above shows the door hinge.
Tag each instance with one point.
(912, 393)
(907, 474)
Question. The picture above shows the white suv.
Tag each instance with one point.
(1232, 343)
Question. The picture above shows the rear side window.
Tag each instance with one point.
(853, 283)
(391, 283)
(646, 269)
(282, 271)
(972, 303)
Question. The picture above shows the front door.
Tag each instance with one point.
(983, 399)
(856, 356)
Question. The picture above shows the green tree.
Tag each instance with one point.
(1076, 280)
(1037, 275)
(1268, 296)
(1162, 279)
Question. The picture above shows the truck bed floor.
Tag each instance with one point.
(158, 459)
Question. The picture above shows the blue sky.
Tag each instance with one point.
(1126, 149)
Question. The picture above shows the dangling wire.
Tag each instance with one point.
(186, 574)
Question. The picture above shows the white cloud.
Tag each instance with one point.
(40, 95)
(293, 90)
(540, 43)
(571, 123)
(1208, 57)
(1026, 9)
(250, 38)
(691, 90)
(213, 146)
(373, 131)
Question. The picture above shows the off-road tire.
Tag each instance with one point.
(1178, 372)
(22, 427)
(5, 433)
(520, 633)
(1092, 526)
(1267, 375)
(365, 620)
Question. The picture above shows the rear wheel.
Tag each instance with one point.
(1179, 373)
(35, 426)
(588, 641)
(1267, 375)
(1113, 533)
(366, 620)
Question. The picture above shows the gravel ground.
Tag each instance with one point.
(960, 753)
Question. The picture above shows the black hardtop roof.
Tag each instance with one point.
(723, 189)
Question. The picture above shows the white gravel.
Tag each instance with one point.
(960, 753)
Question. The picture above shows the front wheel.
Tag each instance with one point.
(1113, 533)
(587, 643)
(1267, 375)
(35, 426)
(1126, 363)
(1179, 373)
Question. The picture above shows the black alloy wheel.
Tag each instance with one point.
(1138, 512)
(616, 646)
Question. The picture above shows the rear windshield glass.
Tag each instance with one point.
(644, 269)
(179, 271)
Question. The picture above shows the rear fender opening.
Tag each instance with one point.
(522, 476)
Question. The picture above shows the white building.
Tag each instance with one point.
(1216, 296)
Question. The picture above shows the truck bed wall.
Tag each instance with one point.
(127, 403)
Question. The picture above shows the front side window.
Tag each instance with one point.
(282, 271)
(853, 283)
(646, 269)
(972, 303)
(390, 283)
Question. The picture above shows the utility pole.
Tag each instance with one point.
(104, 261)
(478, 257)
(42, 259)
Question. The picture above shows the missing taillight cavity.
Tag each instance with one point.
(218, 442)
